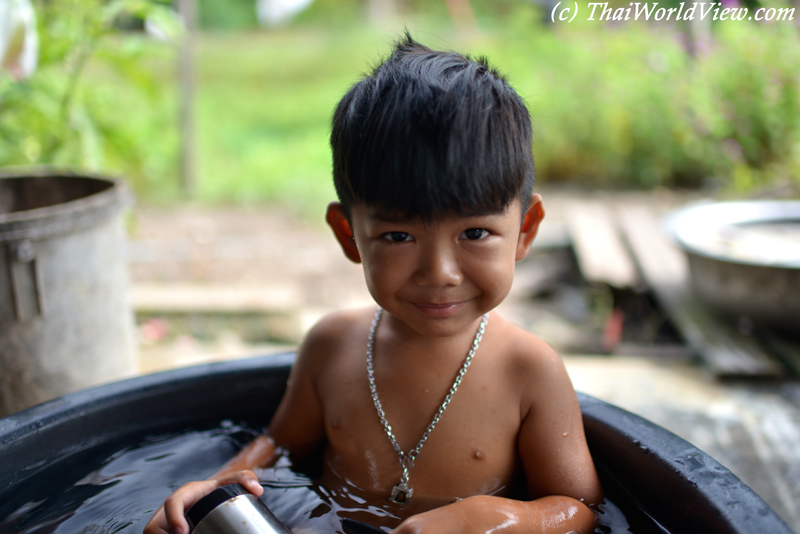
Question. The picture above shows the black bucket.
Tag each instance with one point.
(65, 319)
(661, 482)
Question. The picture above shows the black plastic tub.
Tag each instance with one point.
(661, 482)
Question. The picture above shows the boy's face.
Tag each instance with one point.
(438, 277)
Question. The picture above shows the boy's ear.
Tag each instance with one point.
(530, 225)
(342, 230)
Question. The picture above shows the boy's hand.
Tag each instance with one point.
(170, 517)
(444, 520)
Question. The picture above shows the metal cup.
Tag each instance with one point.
(232, 509)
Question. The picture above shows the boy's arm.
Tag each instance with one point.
(562, 480)
(296, 426)
(552, 443)
(483, 514)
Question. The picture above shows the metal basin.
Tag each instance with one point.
(744, 259)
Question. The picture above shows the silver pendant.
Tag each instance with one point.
(401, 493)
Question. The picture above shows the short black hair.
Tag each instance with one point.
(428, 133)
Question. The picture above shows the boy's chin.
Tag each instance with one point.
(438, 323)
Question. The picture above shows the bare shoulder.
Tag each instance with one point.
(535, 365)
(298, 424)
(525, 350)
(334, 334)
(337, 325)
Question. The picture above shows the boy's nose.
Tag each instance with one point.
(438, 267)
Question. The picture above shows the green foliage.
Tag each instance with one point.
(333, 13)
(74, 110)
(627, 106)
(613, 105)
(227, 14)
(748, 105)
(264, 104)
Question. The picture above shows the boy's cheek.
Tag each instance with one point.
(499, 281)
(381, 285)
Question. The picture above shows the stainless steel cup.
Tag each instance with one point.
(232, 509)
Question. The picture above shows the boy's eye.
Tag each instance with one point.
(397, 237)
(474, 233)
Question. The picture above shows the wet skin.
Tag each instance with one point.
(514, 409)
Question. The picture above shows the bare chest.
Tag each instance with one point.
(471, 450)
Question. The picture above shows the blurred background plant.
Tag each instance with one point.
(88, 96)
(614, 104)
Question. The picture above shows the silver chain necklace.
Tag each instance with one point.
(402, 493)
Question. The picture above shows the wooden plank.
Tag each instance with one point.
(727, 352)
(602, 256)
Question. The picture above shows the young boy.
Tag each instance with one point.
(434, 172)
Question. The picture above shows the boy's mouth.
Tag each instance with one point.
(440, 310)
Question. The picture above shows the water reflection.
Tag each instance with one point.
(117, 487)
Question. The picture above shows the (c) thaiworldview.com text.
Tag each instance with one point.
(651, 11)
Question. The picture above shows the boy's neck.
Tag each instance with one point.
(397, 338)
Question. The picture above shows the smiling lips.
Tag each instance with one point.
(440, 310)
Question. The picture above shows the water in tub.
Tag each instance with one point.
(117, 488)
